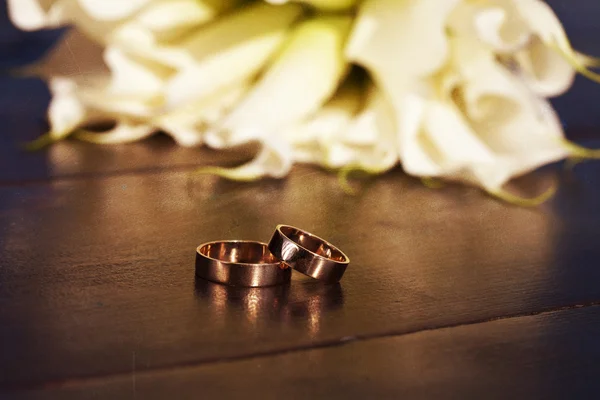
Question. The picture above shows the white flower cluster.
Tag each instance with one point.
(454, 89)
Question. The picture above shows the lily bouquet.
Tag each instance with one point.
(450, 89)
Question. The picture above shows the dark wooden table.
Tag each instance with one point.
(451, 294)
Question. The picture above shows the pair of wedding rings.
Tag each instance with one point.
(256, 264)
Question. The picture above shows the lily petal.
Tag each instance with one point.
(417, 154)
(528, 137)
(384, 37)
(187, 124)
(496, 22)
(123, 132)
(545, 71)
(547, 27)
(517, 131)
(370, 140)
(111, 10)
(30, 15)
(273, 160)
(135, 87)
(502, 25)
(169, 20)
(301, 79)
(312, 137)
(66, 112)
(132, 76)
(249, 38)
(71, 11)
(158, 30)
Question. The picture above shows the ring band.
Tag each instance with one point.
(240, 263)
(308, 254)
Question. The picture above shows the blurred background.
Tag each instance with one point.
(28, 98)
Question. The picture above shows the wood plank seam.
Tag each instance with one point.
(73, 382)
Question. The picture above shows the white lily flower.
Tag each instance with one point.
(66, 111)
(520, 128)
(454, 89)
(143, 94)
(523, 35)
(306, 73)
(500, 129)
(461, 115)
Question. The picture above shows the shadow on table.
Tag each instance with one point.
(300, 301)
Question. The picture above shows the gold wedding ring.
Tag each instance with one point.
(240, 263)
(308, 254)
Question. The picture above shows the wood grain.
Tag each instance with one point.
(94, 271)
(548, 356)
